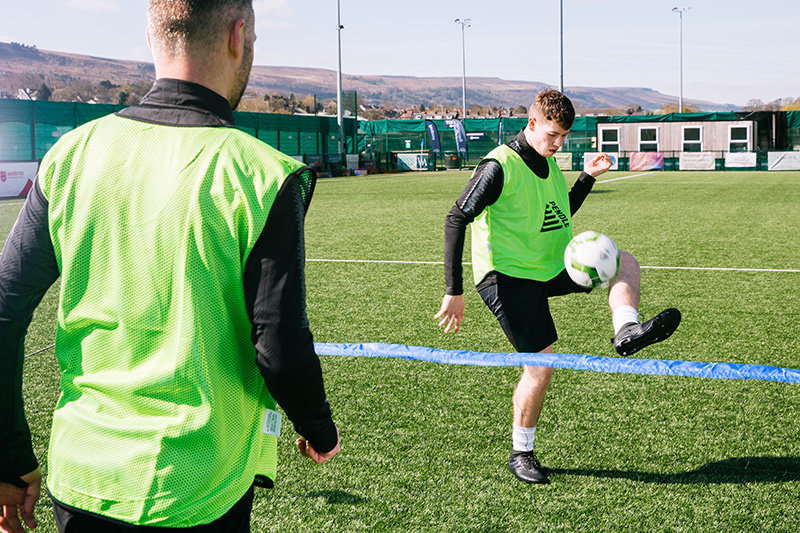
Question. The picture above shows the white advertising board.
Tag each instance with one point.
(588, 156)
(783, 160)
(412, 161)
(740, 160)
(696, 161)
(564, 160)
(16, 179)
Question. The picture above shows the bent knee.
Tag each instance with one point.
(628, 263)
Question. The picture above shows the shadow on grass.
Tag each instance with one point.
(337, 497)
(735, 470)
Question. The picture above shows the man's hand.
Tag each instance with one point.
(451, 313)
(307, 450)
(18, 504)
(598, 165)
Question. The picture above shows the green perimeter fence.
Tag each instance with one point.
(29, 128)
(382, 142)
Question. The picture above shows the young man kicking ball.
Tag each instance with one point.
(520, 210)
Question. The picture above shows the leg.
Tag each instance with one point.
(528, 401)
(627, 287)
(530, 392)
(623, 298)
(521, 309)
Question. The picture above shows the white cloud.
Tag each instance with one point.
(93, 5)
(8, 39)
(273, 13)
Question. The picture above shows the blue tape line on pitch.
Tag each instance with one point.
(656, 367)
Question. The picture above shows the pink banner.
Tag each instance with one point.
(646, 161)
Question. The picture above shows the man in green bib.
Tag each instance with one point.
(179, 243)
(521, 217)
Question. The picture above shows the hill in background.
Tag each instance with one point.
(27, 66)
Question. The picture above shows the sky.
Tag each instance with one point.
(733, 50)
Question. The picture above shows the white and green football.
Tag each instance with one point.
(592, 259)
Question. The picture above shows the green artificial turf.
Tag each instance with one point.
(425, 445)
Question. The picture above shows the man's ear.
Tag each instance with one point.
(531, 123)
(236, 38)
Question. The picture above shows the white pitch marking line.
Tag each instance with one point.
(726, 268)
(379, 261)
(627, 177)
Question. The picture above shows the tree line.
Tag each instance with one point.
(106, 92)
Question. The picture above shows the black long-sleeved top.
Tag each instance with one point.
(483, 190)
(274, 287)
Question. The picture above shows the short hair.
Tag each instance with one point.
(555, 107)
(180, 27)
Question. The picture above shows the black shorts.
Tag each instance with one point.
(71, 520)
(521, 307)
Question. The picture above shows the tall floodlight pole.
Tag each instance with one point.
(561, 47)
(680, 12)
(464, 23)
(339, 119)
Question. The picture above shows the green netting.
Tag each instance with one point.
(15, 141)
(29, 128)
(674, 117)
(793, 120)
(46, 135)
(16, 111)
(510, 124)
(386, 136)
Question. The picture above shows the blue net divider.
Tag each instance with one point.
(655, 367)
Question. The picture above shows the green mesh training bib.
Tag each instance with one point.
(162, 405)
(525, 232)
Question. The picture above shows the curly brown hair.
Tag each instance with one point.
(555, 107)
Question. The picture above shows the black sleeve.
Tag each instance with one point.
(28, 268)
(580, 190)
(483, 190)
(274, 284)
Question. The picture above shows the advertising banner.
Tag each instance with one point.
(588, 156)
(740, 160)
(461, 134)
(433, 136)
(564, 160)
(16, 179)
(412, 161)
(697, 161)
(646, 161)
(783, 160)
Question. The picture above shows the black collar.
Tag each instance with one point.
(535, 161)
(181, 103)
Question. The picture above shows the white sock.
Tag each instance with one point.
(523, 438)
(624, 314)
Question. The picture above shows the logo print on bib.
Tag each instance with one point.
(554, 218)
